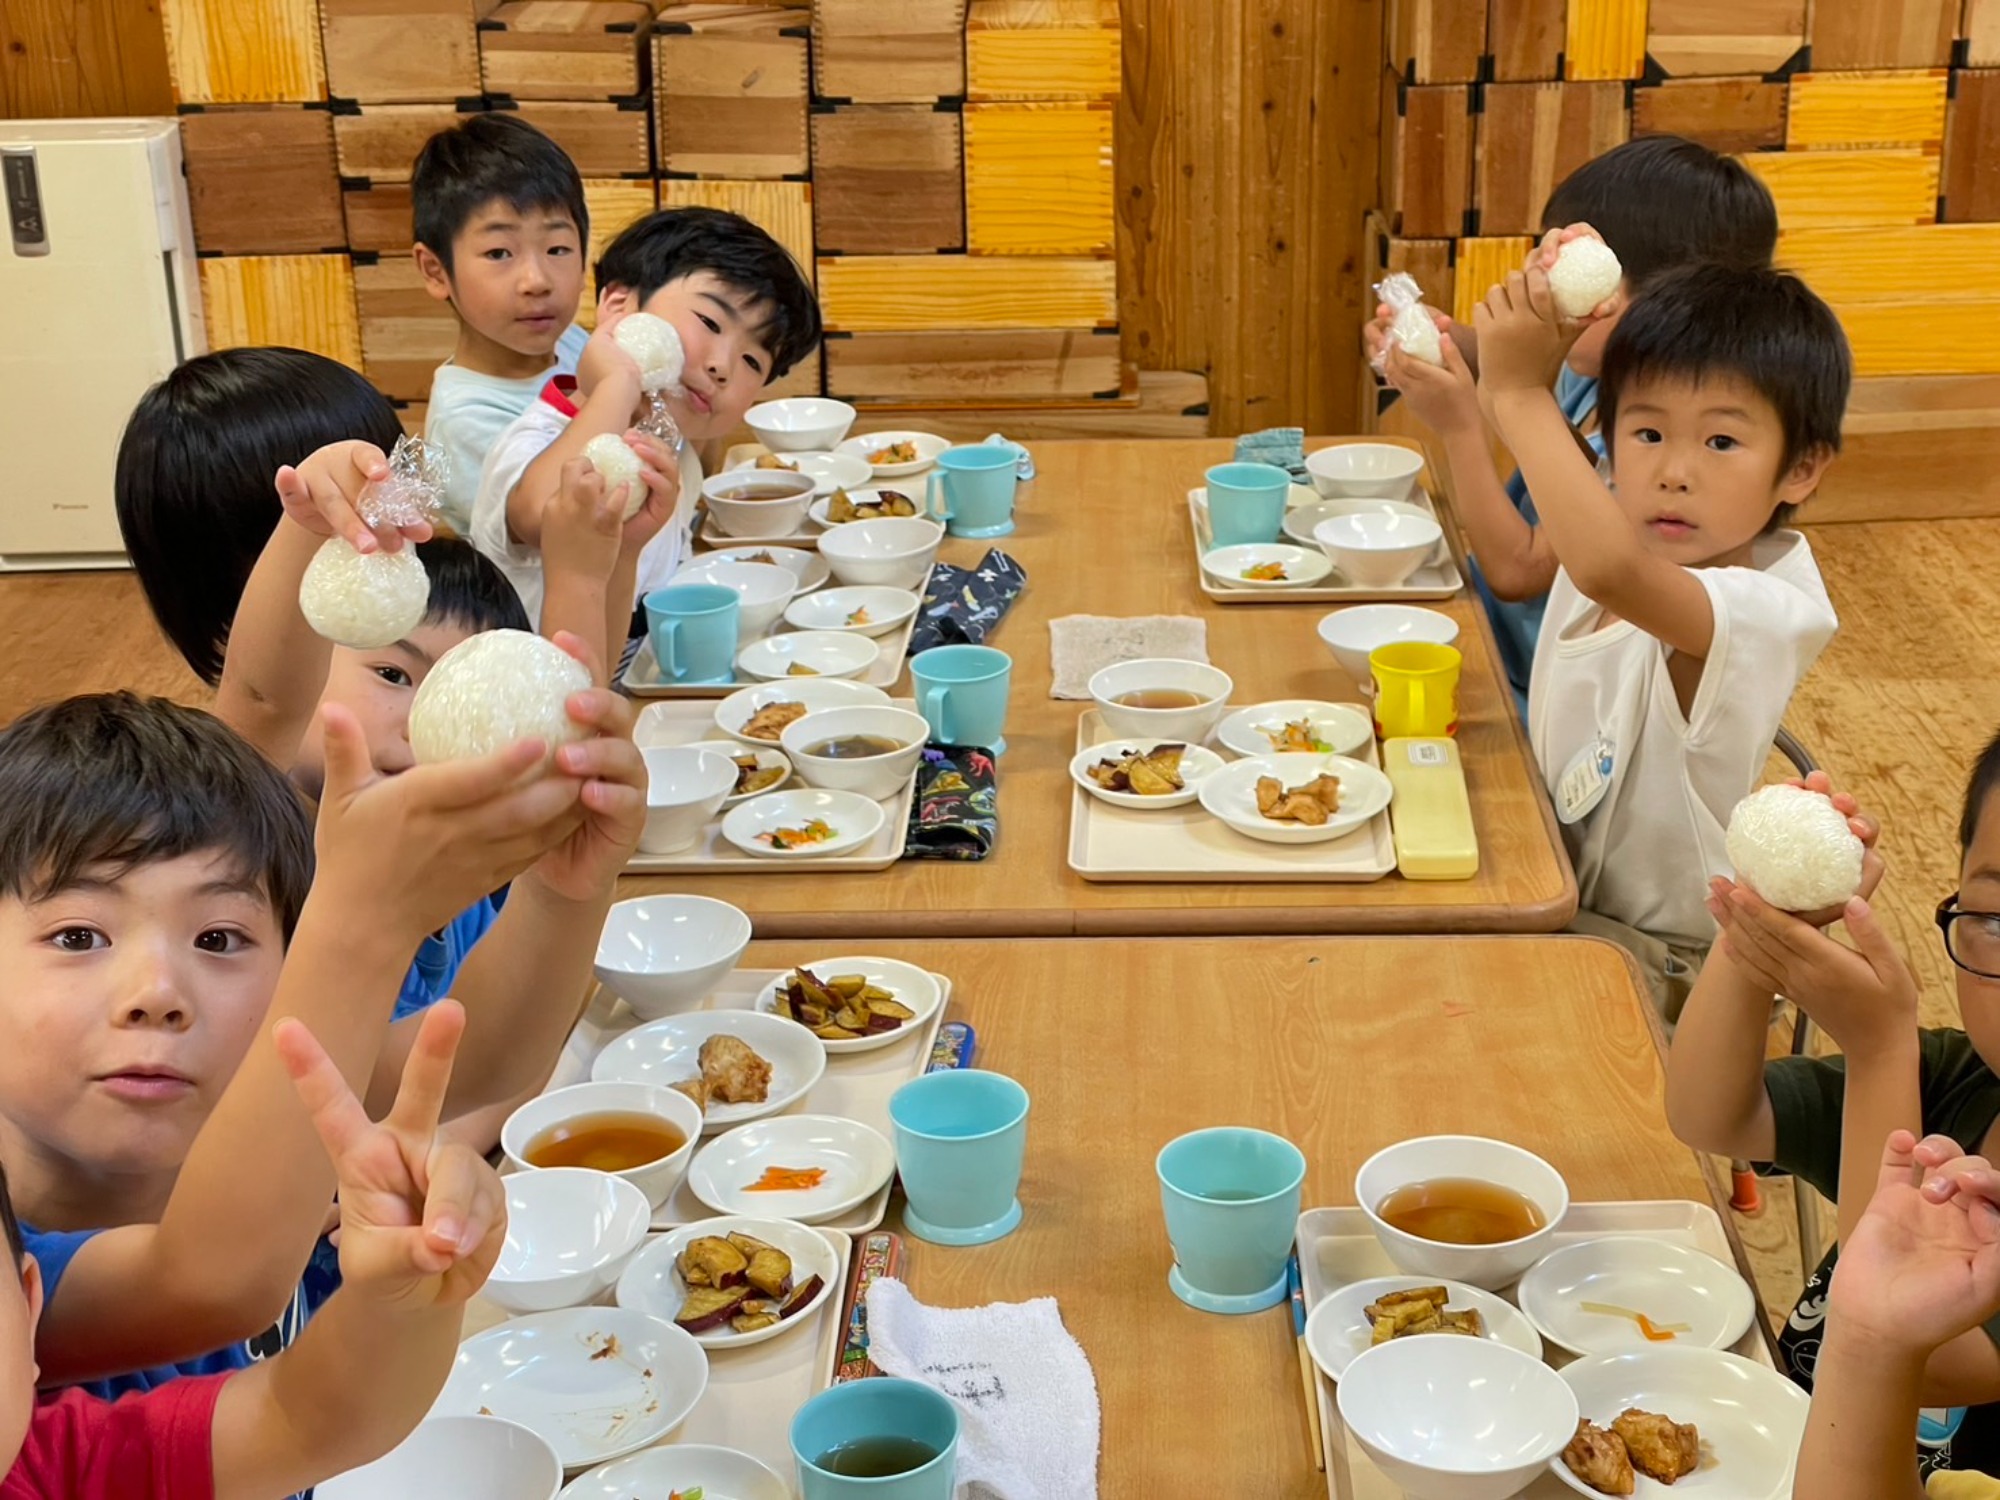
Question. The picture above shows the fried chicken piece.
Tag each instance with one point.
(1660, 1447)
(772, 461)
(1598, 1458)
(696, 1089)
(1325, 790)
(1309, 804)
(769, 721)
(734, 1073)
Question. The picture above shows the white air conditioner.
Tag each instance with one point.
(98, 299)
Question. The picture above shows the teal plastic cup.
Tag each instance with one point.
(1246, 503)
(881, 1415)
(962, 693)
(693, 630)
(1231, 1197)
(977, 485)
(960, 1136)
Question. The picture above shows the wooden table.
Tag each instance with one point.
(1342, 1045)
(1103, 530)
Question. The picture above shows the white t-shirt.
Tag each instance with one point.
(1645, 853)
(468, 411)
(519, 445)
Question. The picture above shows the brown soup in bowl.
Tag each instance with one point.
(853, 747)
(1461, 1211)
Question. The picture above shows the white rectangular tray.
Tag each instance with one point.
(690, 721)
(1435, 580)
(1337, 1246)
(855, 1085)
(642, 678)
(1109, 843)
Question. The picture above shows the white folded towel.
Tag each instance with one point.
(1080, 646)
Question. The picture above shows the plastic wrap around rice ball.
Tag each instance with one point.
(364, 600)
(492, 689)
(1585, 273)
(654, 346)
(1794, 849)
(1416, 331)
(613, 457)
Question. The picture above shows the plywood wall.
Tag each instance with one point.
(60, 59)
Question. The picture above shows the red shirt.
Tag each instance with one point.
(147, 1444)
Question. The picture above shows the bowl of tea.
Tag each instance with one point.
(570, 1231)
(753, 504)
(1161, 699)
(872, 750)
(643, 1133)
(1462, 1207)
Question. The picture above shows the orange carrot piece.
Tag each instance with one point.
(787, 1180)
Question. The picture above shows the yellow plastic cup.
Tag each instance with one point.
(1416, 689)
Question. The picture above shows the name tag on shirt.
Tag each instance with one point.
(1585, 780)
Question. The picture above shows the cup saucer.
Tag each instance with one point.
(979, 1234)
(1216, 1302)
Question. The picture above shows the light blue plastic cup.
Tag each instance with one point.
(977, 484)
(693, 630)
(878, 1407)
(962, 693)
(1246, 503)
(960, 1136)
(1231, 1197)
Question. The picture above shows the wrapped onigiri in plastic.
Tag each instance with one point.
(1412, 326)
(492, 689)
(366, 600)
(1585, 273)
(613, 457)
(1794, 848)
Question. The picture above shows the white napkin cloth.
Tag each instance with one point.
(1082, 645)
(1026, 1397)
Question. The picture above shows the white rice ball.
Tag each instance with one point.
(613, 457)
(364, 599)
(1416, 331)
(492, 689)
(655, 346)
(1585, 273)
(1793, 848)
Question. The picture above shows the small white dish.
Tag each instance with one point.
(820, 512)
(1751, 1418)
(1670, 1284)
(456, 1458)
(1227, 565)
(1376, 549)
(660, 954)
(1361, 470)
(656, 1179)
(751, 505)
(1230, 794)
(1340, 727)
(808, 740)
(879, 610)
(1338, 1331)
(1197, 762)
(820, 653)
(733, 712)
(910, 985)
(855, 820)
(685, 787)
(856, 1160)
(677, 1469)
(800, 424)
(896, 552)
(570, 1232)
(762, 590)
(595, 1383)
(768, 758)
(928, 445)
(1430, 1158)
(805, 563)
(664, 1053)
(652, 1282)
(1352, 633)
(1209, 686)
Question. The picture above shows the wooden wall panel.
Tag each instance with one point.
(604, 140)
(1426, 158)
(1924, 338)
(1971, 160)
(400, 51)
(382, 141)
(1483, 264)
(301, 301)
(974, 365)
(888, 51)
(1429, 262)
(1882, 33)
(888, 179)
(1730, 115)
(613, 202)
(1849, 189)
(236, 159)
(731, 85)
(1038, 179)
(243, 51)
(62, 59)
(1980, 26)
(1915, 263)
(378, 217)
(566, 49)
(898, 293)
(1436, 41)
(1533, 135)
(405, 332)
(1605, 39)
(1525, 38)
(1715, 38)
(1846, 110)
(1041, 49)
(784, 209)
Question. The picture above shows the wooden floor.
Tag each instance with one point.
(1895, 710)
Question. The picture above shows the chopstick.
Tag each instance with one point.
(1308, 1371)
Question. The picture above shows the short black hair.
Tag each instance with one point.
(193, 485)
(674, 242)
(11, 1225)
(1979, 786)
(482, 158)
(1765, 327)
(468, 588)
(120, 780)
(1661, 202)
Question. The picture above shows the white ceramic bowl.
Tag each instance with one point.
(456, 1458)
(1356, 469)
(1376, 549)
(1433, 1157)
(767, 757)
(652, 1282)
(570, 1232)
(820, 512)
(1456, 1418)
(855, 820)
(762, 590)
(754, 503)
(857, 1162)
(1197, 762)
(1671, 1284)
(660, 954)
(804, 563)
(1338, 1331)
(677, 1468)
(874, 776)
(663, 1053)
(1227, 565)
(1301, 519)
(1352, 633)
(1230, 795)
(733, 712)
(914, 987)
(893, 553)
(928, 445)
(656, 1180)
(823, 653)
(685, 786)
(800, 424)
(1341, 727)
(1211, 685)
(835, 609)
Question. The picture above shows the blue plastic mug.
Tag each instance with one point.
(1231, 1197)
(844, 1422)
(1246, 503)
(977, 485)
(693, 630)
(960, 1137)
(962, 693)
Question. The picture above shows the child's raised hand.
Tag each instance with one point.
(1375, 332)
(323, 495)
(604, 359)
(611, 774)
(1445, 396)
(421, 1222)
(1864, 827)
(1863, 996)
(660, 472)
(582, 526)
(1521, 341)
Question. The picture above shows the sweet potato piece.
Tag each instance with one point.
(771, 1272)
(711, 1261)
(708, 1308)
(801, 1295)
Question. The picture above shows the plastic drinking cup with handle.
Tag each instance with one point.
(972, 490)
(962, 693)
(1416, 689)
(693, 629)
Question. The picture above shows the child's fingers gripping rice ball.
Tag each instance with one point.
(364, 600)
(1584, 273)
(1794, 848)
(613, 458)
(654, 346)
(491, 690)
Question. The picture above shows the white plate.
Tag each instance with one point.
(652, 1283)
(854, 819)
(668, 1052)
(1337, 1331)
(1751, 1418)
(1303, 569)
(733, 712)
(829, 471)
(551, 1373)
(829, 610)
(929, 445)
(1668, 1283)
(808, 566)
(1342, 727)
(857, 1162)
(831, 653)
(910, 985)
(719, 1473)
(1231, 795)
(1196, 762)
(767, 756)
(820, 511)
